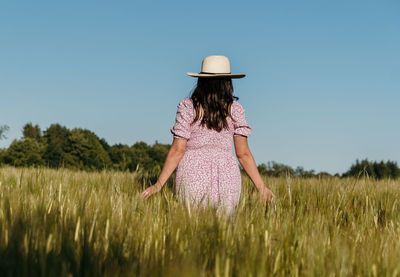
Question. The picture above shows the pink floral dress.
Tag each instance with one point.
(208, 171)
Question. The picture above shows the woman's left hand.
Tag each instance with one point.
(150, 190)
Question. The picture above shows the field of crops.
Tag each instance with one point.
(64, 222)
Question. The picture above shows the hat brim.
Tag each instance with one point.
(215, 75)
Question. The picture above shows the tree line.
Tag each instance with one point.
(363, 168)
(58, 146)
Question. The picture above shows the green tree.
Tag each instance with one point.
(282, 170)
(263, 170)
(393, 169)
(140, 155)
(30, 131)
(58, 147)
(158, 153)
(301, 172)
(323, 174)
(275, 169)
(27, 152)
(374, 169)
(87, 150)
(121, 156)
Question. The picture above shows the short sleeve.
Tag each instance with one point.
(241, 128)
(184, 116)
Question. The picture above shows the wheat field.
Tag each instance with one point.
(75, 223)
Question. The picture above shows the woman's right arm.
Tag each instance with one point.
(248, 163)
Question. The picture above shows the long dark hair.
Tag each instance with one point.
(215, 96)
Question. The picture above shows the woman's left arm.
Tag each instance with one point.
(174, 156)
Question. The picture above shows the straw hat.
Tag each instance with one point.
(215, 66)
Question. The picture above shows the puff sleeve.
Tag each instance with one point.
(241, 128)
(184, 116)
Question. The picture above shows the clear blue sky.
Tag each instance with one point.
(322, 86)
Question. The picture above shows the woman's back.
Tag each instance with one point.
(200, 137)
(208, 169)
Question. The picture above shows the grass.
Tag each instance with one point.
(74, 223)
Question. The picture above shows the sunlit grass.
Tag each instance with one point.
(60, 222)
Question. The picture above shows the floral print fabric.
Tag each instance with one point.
(208, 172)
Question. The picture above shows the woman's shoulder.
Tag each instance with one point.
(185, 104)
(187, 101)
(237, 108)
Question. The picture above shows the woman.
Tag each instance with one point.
(205, 125)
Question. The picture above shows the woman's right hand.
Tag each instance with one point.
(266, 195)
